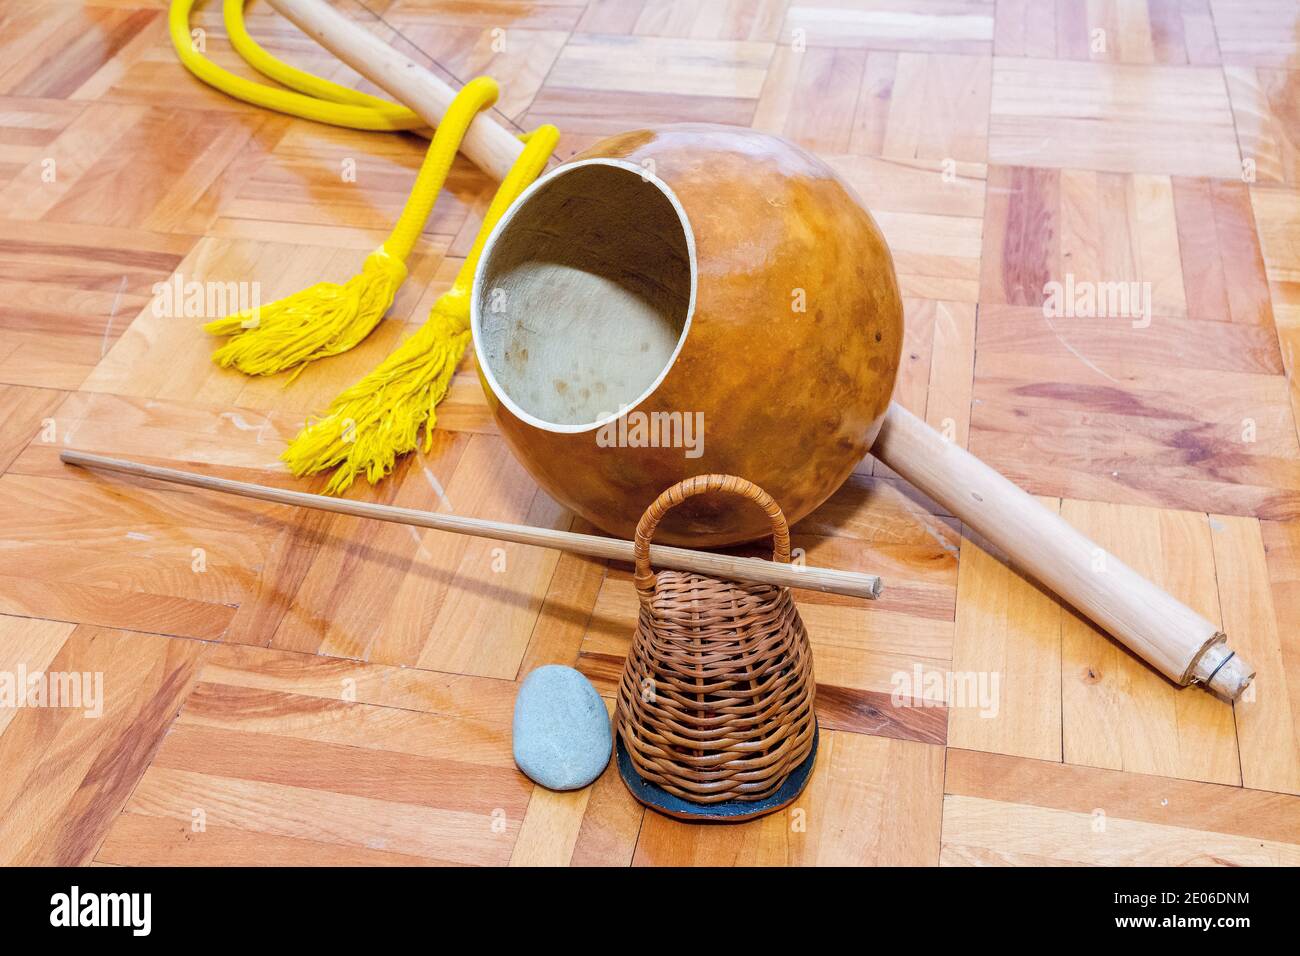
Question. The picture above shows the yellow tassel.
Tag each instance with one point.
(377, 419)
(322, 320)
(327, 319)
(372, 422)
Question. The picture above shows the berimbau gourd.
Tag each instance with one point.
(683, 300)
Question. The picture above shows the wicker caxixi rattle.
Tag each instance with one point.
(715, 707)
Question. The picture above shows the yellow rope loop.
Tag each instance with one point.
(320, 100)
(380, 417)
(232, 14)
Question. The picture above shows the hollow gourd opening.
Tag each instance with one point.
(584, 295)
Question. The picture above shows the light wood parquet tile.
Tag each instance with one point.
(908, 105)
(135, 365)
(83, 35)
(514, 14)
(1223, 268)
(1008, 630)
(1268, 724)
(1152, 726)
(1103, 384)
(935, 26)
(1277, 222)
(1009, 810)
(346, 581)
(28, 125)
(475, 613)
(1282, 558)
(724, 20)
(1127, 31)
(69, 292)
(517, 57)
(1258, 33)
(24, 412)
(322, 176)
(78, 770)
(1100, 397)
(1266, 107)
(932, 216)
(601, 62)
(1112, 117)
(338, 761)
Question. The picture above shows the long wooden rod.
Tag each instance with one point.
(1173, 638)
(755, 570)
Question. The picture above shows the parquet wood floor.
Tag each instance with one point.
(281, 687)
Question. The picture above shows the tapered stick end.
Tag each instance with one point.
(1223, 672)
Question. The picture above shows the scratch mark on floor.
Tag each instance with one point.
(1077, 354)
(436, 485)
(112, 313)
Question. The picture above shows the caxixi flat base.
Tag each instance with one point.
(730, 811)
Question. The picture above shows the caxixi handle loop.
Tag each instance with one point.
(698, 485)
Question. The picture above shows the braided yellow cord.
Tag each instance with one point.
(232, 13)
(320, 100)
(380, 417)
(328, 318)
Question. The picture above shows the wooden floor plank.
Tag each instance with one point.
(1063, 113)
(142, 840)
(1146, 31)
(871, 801)
(1268, 726)
(1008, 639)
(334, 754)
(1018, 833)
(478, 619)
(1282, 556)
(24, 412)
(70, 770)
(1151, 725)
(1004, 810)
(1143, 798)
(949, 26)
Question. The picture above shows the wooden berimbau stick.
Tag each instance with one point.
(754, 570)
(1160, 629)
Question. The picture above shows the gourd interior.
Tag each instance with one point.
(585, 295)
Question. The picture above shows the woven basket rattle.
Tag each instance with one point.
(716, 699)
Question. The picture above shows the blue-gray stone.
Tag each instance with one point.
(561, 729)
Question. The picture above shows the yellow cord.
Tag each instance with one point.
(380, 417)
(369, 424)
(320, 100)
(327, 318)
(232, 12)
